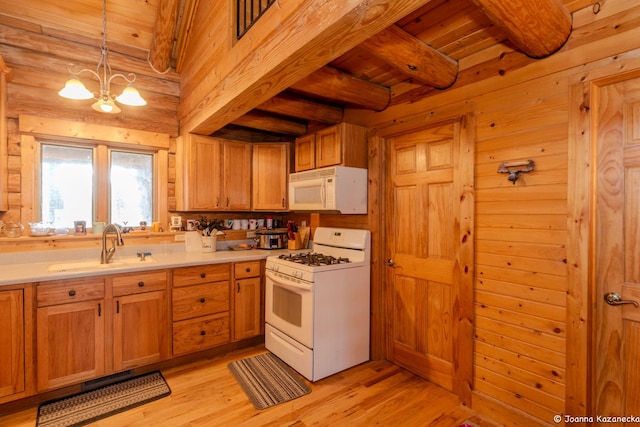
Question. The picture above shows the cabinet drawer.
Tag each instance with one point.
(198, 334)
(139, 282)
(201, 274)
(200, 300)
(243, 270)
(67, 291)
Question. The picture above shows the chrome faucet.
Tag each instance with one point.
(107, 254)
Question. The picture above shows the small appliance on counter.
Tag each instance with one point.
(271, 239)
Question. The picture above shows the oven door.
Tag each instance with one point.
(289, 306)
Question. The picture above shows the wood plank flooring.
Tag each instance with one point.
(205, 393)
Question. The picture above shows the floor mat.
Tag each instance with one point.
(86, 407)
(267, 380)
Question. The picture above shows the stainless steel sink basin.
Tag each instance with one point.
(92, 265)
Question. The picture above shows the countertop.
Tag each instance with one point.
(34, 266)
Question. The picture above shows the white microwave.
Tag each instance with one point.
(336, 189)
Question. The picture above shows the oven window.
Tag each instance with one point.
(287, 305)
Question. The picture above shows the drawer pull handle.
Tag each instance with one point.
(203, 275)
(203, 333)
(72, 293)
(248, 270)
(202, 300)
(140, 284)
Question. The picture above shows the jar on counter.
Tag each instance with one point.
(12, 229)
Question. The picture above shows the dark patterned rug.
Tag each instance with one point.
(267, 380)
(87, 407)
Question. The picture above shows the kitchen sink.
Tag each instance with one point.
(92, 265)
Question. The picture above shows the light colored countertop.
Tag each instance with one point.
(29, 267)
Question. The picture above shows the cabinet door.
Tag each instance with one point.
(247, 308)
(270, 176)
(236, 181)
(140, 330)
(12, 339)
(70, 343)
(328, 147)
(203, 161)
(305, 153)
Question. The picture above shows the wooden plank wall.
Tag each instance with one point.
(524, 366)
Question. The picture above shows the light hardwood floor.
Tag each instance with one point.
(205, 393)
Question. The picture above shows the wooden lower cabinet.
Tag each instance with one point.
(201, 308)
(73, 327)
(12, 349)
(140, 320)
(140, 330)
(248, 317)
(70, 343)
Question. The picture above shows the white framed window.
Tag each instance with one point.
(76, 185)
(129, 172)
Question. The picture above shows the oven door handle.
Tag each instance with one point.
(289, 284)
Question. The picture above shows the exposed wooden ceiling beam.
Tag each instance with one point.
(292, 55)
(289, 105)
(538, 28)
(344, 88)
(163, 34)
(269, 123)
(413, 57)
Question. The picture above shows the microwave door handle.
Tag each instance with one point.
(323, 195)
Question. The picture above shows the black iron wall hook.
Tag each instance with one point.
(509, 167)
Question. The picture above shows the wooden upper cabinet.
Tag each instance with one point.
(212, 174)
(270, 176)
(343, 144)
(236, 181)
(305, 158)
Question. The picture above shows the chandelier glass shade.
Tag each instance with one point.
(105, 100)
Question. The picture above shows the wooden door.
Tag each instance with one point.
(236, 181)
(70, 343)
(617, 327)
(12, 339)
(270, 176)
(140, 330)
(430, 256)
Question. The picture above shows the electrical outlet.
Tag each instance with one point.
(251, 234)
(179, 238)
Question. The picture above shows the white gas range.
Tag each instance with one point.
(317, 304)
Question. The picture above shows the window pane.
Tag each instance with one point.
(66, 185)
(131, 188)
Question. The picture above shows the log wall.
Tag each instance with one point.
(39, 65)
(530, 359)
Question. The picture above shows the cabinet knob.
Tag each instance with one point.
(140, 284)
(72, 293)
(203, 275)
(203, 333)
(202, 300)
(248, 270)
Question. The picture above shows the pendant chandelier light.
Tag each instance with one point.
(105, 100)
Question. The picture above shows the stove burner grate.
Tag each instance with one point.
(314, 259)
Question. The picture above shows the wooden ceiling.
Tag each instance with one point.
(442, 43)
